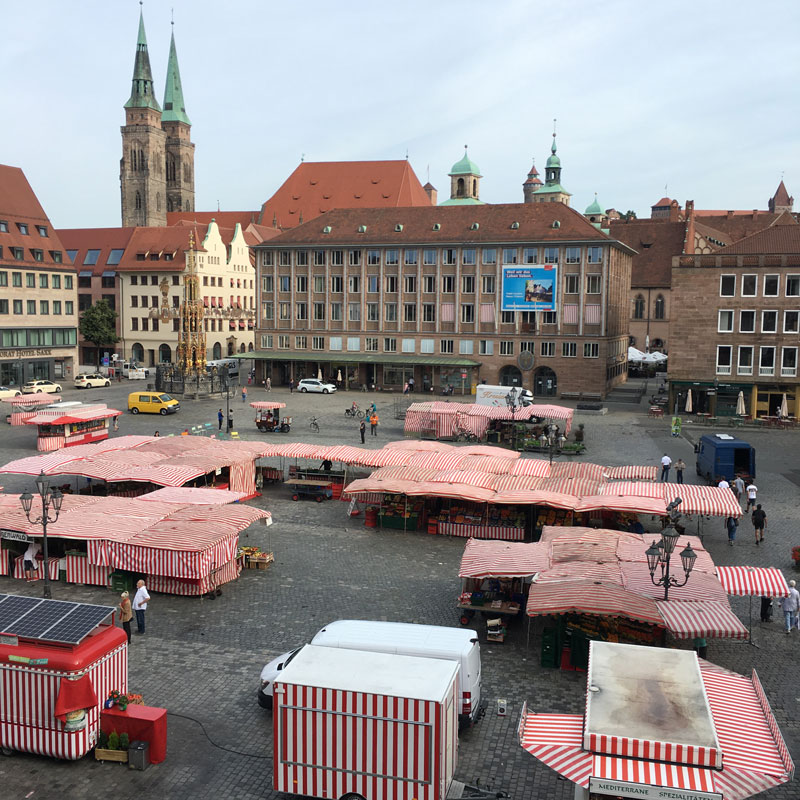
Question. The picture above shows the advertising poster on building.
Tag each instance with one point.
(529, 288)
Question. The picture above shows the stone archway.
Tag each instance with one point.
(137, 353)
(545, 382)
(216, 352)
(510, 375)
(164, 354)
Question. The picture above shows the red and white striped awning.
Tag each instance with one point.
(632, 473)
(707, 619)
(533, 497)
(439, 461)
(488, 558)
(655, 773)
(753, 581)
(513, 483)
(455, 491)
(494, 464)
(636, 505)
(700, 586)
(567, 485)
(633, 488)
(266, 405)
(23, 401)
(532, 467)
(386, 457)
(468, 477)
(578, 469)
(345, 453)
(418, 445)
(708, 500)
(191, 496)
(298, 450)
(489, 450)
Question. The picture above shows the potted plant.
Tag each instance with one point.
(112, 747)
(796, 556)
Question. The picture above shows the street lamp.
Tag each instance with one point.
(513, 403)
(51, 499)
(660, 553)
(552, 443)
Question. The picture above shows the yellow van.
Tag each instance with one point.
(152, 403)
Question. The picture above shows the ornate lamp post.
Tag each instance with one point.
(513, 403)
(660, 553)
(552, 443)
(51, 500)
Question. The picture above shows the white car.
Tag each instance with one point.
(37, 387)
(313, 385)
(91, 381)
(6, 392)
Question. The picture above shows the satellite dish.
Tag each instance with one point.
(525, 360)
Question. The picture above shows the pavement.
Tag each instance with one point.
(201, 659)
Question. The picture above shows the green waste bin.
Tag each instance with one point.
(121, 582)
(549, 647)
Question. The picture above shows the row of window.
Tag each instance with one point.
(769, 321)
(370, 344)
(141, 280)
(24, 228)
(391, 284)
(659, 307)
(766, 360)
(217, 281)
(106, 281)
(748, 285)
(38, 337)
(45, 280)
(45, 306)
(37, 254)
(431, 256)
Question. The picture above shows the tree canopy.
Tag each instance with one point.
(98, 325)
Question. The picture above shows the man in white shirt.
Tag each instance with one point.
(140, 602)
(666, 463)
(723, 484)
(752, 491)
(29, 560)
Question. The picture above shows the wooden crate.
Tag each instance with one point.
(111, 755)
(260, 562)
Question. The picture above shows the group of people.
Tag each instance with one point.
(666, 465)
(221, 419)
(138, 607)
(372, 416)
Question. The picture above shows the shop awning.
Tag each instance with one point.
(298, 450)
(633, 488)
(753, 581)
(654, 773)
(487, 464)
(579, 469)
(488, 558)
(635, 505)
(467, 477)
(514, 483)
(427, 359)
(574, 486)
(632, 473)
(708, 619)
(418, 445)
(532, 467)
(707, 500)
(557, 740)
(266, 405)
(488, 450)
(443, 461)
(533, 497)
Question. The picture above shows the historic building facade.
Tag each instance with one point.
(38, 290)
(385, 295)
(157, 164)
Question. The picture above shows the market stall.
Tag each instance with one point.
(68, 427)
(268, 417)
(24, 406)
(662, 724)
(58, 663)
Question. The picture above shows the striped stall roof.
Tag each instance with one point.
(701, 585)
(637, 505)
(607, 572)
(578, 469)
(513, 483)
(632, 488)
(493, 464)
(439, 461)
(455, 491)
(489, 450)
(753, 581)
(709, 500)
(33, 400)
(418, 445)
(346, 453)
(574, 486)
(533, 497)
(466, 477)
(585, 544)
(531, 467)
(493, 559)
(632, 473)
(654, 773)
(299, 450)
(190, 496)
(266, 405)
(707, 619)
(386, 457)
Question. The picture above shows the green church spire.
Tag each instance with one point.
(142, 95)
(174, 105)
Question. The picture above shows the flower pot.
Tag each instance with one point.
(121, 756)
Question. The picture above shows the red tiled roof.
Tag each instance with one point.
(780, 238)
(171, 240)
(664, 201)
(19, 204)
(316, 187)
(103, 239)
(262, 233)
(227, 219)
(736, 224)
(455, 225)
(656, 241)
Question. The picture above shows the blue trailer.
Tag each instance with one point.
(724, 456)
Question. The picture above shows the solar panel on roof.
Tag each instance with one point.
(38, 620)
(50, 620)
(77, 625)
(13, 607)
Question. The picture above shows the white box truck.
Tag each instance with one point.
(359, 725)
(486, 395)
(402, 638)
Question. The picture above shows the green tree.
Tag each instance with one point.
(629, 215)
(98, 326)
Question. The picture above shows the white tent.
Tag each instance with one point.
(634, 354)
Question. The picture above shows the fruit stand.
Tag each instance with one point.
(401, 512)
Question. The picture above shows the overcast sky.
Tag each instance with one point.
(700, 97)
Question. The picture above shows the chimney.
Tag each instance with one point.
(674, 211)
(430, 190)
(730, 214)
(688, 245)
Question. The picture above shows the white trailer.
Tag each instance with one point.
(486, 395)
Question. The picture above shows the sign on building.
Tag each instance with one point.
(529, 288)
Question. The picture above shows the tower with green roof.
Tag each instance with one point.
(465, 183)
(552, 191)
(157, 164)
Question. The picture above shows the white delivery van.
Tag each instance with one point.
(486, 395)
(232, 365)
(403, 638)
(365, 725)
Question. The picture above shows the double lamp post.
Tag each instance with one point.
(659, 554)
(51, 500)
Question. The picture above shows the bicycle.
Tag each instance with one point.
(354, 411)
(463, 435)
(314, 425)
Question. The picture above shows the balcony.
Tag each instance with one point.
(764, 371)
(724, 370)
(788, 372)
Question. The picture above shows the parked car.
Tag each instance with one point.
(6, 392)
(152, 403)
(91, 381)
(313, 385)
(37, 387)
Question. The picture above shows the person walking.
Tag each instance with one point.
(723, 484)
(759, 518)
(29, 560)
(220, 418)
(244, 394)
(789, 606)
(666, 463)
(230, 420)
(766, 609)
(373, 424)
(268, 384)
(731, 524)
(140, 601)
(291, 386)
(362, 430)
(126, 614)
(738, 488)
(752, 491)
(680, 466)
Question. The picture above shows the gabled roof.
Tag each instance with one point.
(736, 224)
(664, 201)
(316, 187)
(227, 219)
(488, 223)
(781, 197)
(780, 238)
(20, 206)
(172, 241)
(104, 240)
(656, 241)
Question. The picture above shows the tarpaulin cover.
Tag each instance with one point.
(753, 581)
(709, 619)
(74, 695)
(709, 500)
(493, 559)
(534, 467)
(266, 405)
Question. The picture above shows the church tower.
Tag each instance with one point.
(142, 180)
(465, 183)
(552, 191)
(179, 148)
(531, 185)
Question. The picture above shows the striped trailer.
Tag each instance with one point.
(376, 726)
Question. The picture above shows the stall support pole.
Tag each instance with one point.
(750, 625)
(405, 513)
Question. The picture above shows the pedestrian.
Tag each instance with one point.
(291, 386)
(156, 435)
(220, 418)
(268, 384)
(362, 429)
(752, 491)
(731, 524)
(405, 388)
(789, 606)
(680, 466)
(411, 384)
(29, 560)
(116, 423)
(140, 601)
(738, 488)
(723, 484)
(666, 463)
(373, 424)
(701, 646)
(230, 420)
(759, 517)
(766, 609)
(244, 394)
(126, 614)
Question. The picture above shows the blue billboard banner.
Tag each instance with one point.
(529, 288)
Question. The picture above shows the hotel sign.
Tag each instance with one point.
(643, 791)
(46, 351)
